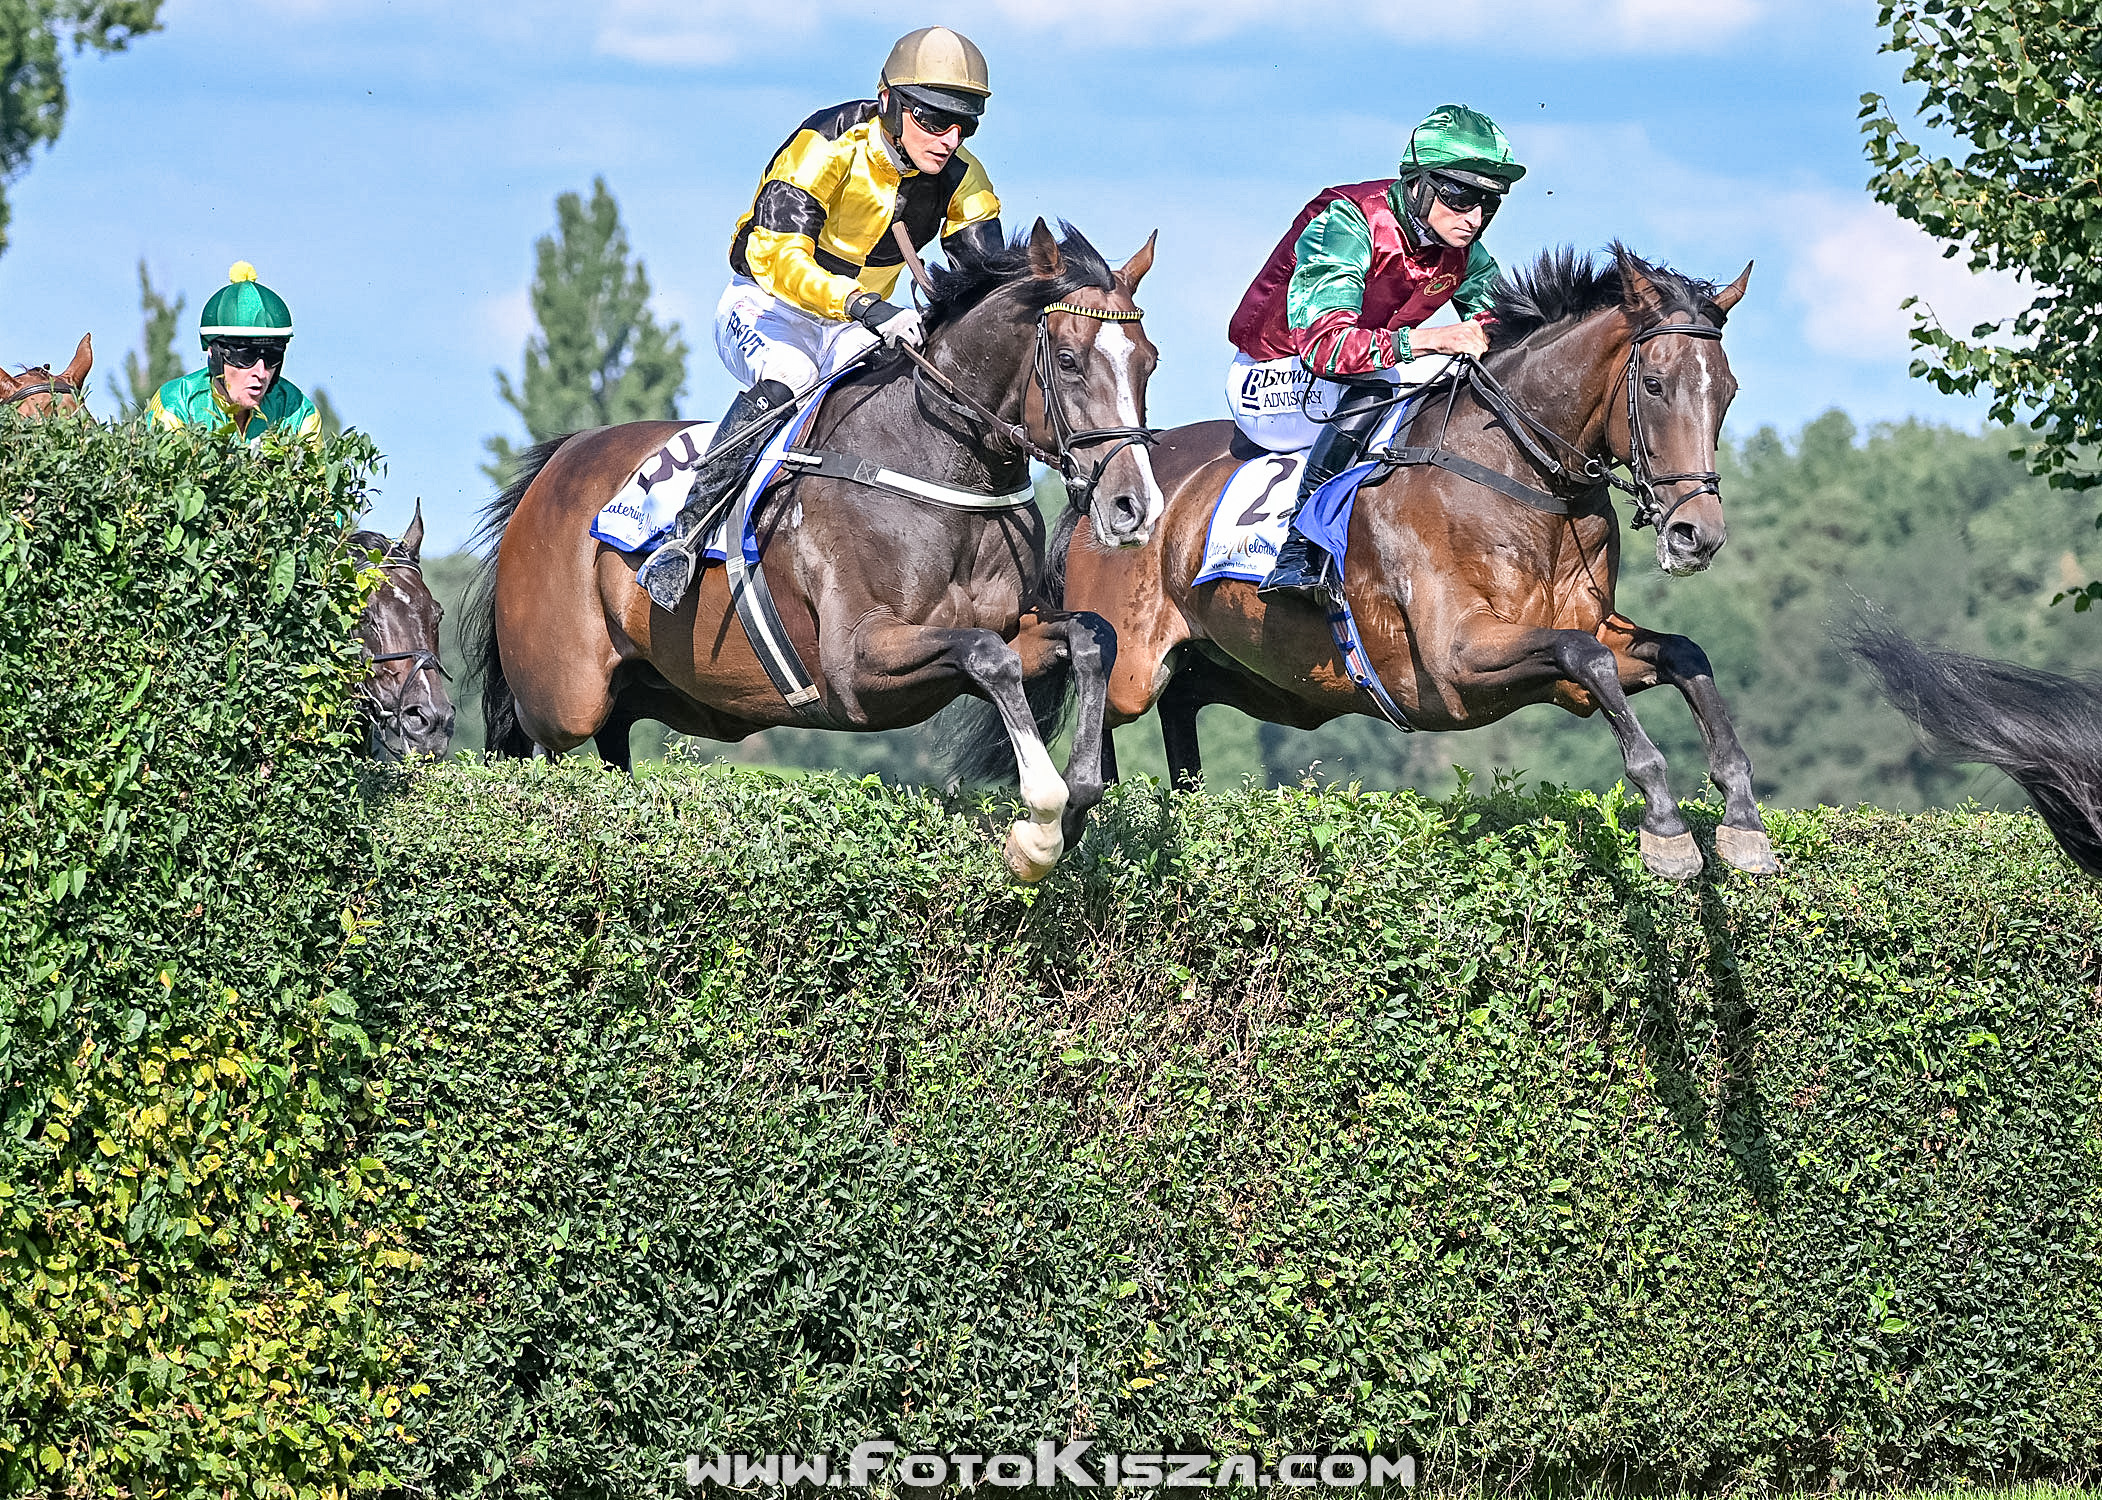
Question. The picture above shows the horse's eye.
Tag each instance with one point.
(1066, 361)
(1653, 385)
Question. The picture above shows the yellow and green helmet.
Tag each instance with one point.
(1457, 142)
(244, 309)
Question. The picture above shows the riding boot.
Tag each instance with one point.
(1304, 569)
(671, 569)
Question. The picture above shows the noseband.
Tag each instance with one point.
(386, 713)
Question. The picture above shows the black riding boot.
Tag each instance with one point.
(1303, 569)
(670, 570)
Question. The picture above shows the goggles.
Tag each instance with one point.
(1464, 197)
(940, 121)
(239, 355)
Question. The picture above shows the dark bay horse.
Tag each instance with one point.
(2042, 729)
(407, 709)
(898, 604)
(1469, 604)
(36, 392)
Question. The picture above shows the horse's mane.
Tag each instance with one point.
(1565, 283)
(971, 277)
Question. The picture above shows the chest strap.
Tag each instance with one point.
(826, 464)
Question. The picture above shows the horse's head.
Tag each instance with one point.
(407, 710)
(1048, 322)
(1674, 388)
(39, 393)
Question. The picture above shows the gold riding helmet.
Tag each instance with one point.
(938, 73)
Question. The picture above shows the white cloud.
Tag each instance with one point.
(1861, 261)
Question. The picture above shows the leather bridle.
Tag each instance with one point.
(52, 385)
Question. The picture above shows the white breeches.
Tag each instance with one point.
(760, 337)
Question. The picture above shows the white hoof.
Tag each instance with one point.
(1675, 858)
(1747, 849)
(1033, 850)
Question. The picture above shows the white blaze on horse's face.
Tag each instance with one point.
(1117, 519)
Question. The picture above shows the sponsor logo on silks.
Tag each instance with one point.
(1270, 388)
(1440, 284)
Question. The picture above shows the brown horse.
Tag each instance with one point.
(36, 392)
(1468, 603)
(901, 604)
(407, 710)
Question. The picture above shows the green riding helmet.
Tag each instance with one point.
(1457, 142)
(244, 309)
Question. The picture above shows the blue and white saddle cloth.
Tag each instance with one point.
(1249, 519)
(638, 516)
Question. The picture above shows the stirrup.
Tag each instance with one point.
(667, 573)
(1298, 574)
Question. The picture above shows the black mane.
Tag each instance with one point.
(971, 278)
(1564, 284)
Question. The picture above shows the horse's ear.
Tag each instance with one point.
(1132, 270)
(1733, 294)
(411, 544)
(1044, 258)
(83, 361)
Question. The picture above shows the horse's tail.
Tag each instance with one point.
(2042, 729)
(975, 744)
(504, 734)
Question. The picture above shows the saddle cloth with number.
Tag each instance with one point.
(1251, 514)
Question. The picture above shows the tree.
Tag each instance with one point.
(324, 408)
(599, 356)
(2017, 80)
(32, 68)
(156, 362)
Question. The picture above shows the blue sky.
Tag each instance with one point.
(387, 165)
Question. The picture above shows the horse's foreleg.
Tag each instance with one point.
(1508, 657)
(1646, 654)
(1178, 705)
(1085, 645)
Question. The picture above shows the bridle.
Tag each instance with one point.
(1065, 437)
(385, 714)
(51, 385)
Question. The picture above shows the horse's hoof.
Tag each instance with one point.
(1747, 849)
(1033, 850)
(1675, 858)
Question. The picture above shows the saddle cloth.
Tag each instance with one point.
(642, 510)
(1249, 518)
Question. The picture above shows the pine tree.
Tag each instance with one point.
(598, 357)
(160, 363)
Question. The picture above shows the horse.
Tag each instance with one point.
(36, 392)
(1473, 596)
(2042, 729)
(903, 602)
(406, 707)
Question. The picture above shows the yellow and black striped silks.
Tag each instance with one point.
(819, 229)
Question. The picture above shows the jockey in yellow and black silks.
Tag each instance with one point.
(814, 261)
(244, 330)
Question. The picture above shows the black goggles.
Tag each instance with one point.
(940, 121)
(239, 356)
(1464, 197)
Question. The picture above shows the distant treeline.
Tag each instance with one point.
(1939, 527)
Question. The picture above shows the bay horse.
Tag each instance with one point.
(406, 707)
(2042, 729)
(1468, 603)
(901, 604)
(36, 392)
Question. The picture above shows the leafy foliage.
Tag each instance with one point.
(155, 362)
(749, 1116)
(2020, 82)
(32, 68)
(191, 1239)
(599, 356)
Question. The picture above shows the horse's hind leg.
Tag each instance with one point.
(1650, 655)
(1178, 704)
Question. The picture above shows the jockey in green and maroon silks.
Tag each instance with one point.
(1338, 307)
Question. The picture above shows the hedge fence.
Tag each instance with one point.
(568, 1124)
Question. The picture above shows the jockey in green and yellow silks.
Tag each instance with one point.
(1337, 309)
(244, 330)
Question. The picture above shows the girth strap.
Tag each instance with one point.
(827, 464)
(1588, 503)
(762, 621)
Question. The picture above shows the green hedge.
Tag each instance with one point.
(757, 1116)
(187, 1239)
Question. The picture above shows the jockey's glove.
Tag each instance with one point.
(893, 324)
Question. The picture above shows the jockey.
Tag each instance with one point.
(244, 329)
(814, 261)
(1333, 315)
